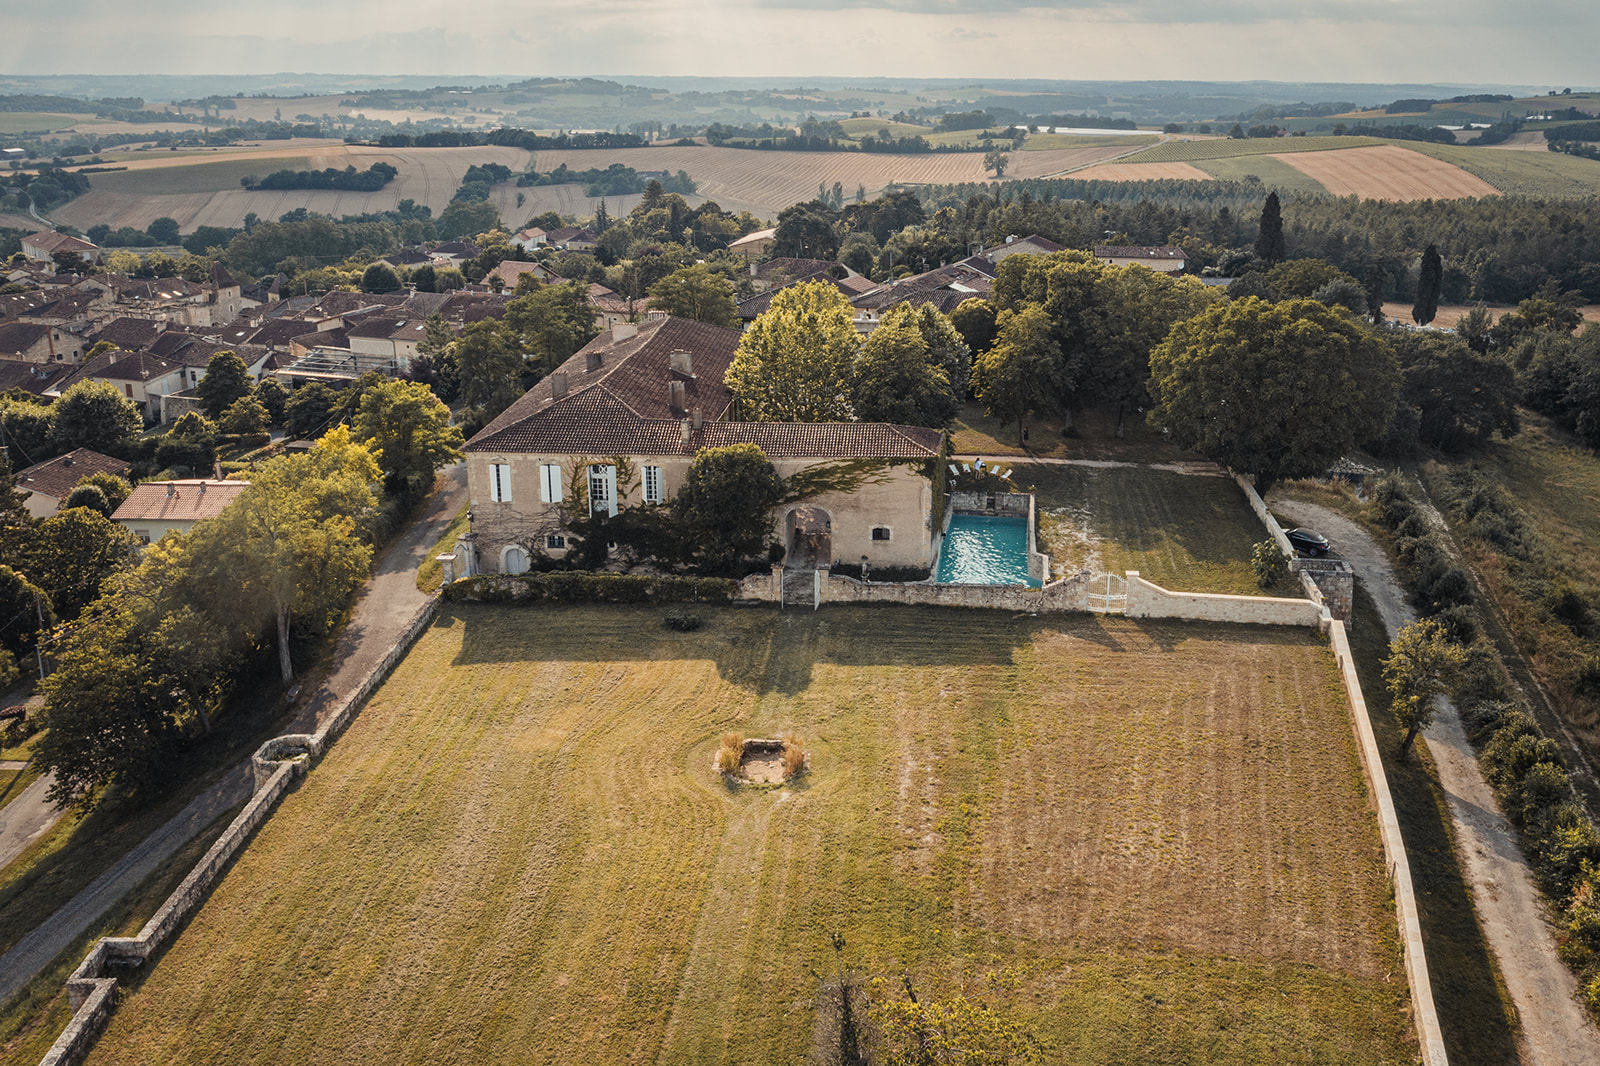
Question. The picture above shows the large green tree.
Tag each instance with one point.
(1423, 664)
(1462, 397)
(725, 504)
(795, 362)
(896, 380)
(1275, 390)
(490, 366)
(548, 325)
(409, 428)
(72, 552)
(696, 292)
(95, 415)
(1006, 378)
(226, 380)
(293, 536)
(25, 611)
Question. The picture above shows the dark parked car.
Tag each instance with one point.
(1307, 542)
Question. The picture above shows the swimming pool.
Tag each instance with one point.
(985, 550)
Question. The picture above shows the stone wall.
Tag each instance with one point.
(277, 764)
(1259, 506)
(1148, 600)
(92, 992)
(1068, 594)
(1430, 1038)
(1332, 583)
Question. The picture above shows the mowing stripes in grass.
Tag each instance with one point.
(520, 850)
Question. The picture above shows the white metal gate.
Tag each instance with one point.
(1108, 595)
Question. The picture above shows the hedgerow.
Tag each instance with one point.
(1525, 768)
(588, 587)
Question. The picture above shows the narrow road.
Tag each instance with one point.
(25, 819)
(1556, 1029)
(385, 605)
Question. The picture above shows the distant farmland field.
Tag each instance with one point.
(204, 190)
(520, 851)
(1388, 172)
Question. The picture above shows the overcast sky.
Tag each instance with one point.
(1536, 42)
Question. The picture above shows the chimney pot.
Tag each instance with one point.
(623, 330)
(171, 490)
(594, 361)
(558, 384)
(699, 420)
(675, 397)
(686, 431)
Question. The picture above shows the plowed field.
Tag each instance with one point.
(1387, 172)
(520, 853)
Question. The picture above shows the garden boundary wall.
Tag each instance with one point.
(277, 765)
(1149, 600)
(1430, 1037)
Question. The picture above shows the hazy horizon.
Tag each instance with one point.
(1547, 44)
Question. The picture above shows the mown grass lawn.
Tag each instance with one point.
(520, 852)
(1184, 532)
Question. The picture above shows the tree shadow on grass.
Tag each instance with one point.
(767, 651)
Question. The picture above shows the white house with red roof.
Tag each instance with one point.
(619, 423)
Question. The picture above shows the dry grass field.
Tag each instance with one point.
(1142, 172)
(520, 852)
(1179, 530)
(203, 189)
(1387, 172)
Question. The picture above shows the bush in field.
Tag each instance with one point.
(731, 754)
(682, 621)
(1269, 563)
(794, 754)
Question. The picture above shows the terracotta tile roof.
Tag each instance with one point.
(327, 338)
(634, 374)
(621, 407)
(56, 478)
(30, 377)
(459, 249)
(407, 257)
(63, 307)
(122, 366)
(793, 268)
(220, 276)
(190, 501)
(1117, 251)
(280, 331)
(51, 242)
(129, 334)
(510, 271)
(469, 307)
(20, 303)
(18, 337)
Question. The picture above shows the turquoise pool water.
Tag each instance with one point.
(985, 550)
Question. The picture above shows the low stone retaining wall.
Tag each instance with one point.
(1259, 506)
(277, 764)
(1430, 1038)
(92, 992)
(1149, 600)
(1068, 594)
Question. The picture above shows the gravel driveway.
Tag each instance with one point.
(1556, 1029)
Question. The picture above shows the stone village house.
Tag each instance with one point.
(625, 416)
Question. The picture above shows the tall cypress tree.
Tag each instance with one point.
(1429, 281)
(1270, 246)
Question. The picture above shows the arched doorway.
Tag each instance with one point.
(808, 536)
(514, 560)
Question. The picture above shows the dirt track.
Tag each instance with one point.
(1556, 1030)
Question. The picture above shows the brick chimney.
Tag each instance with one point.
(675, 397)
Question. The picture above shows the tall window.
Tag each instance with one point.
(549, 483)
(652, 484)
(500, 482)
(603, 489)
